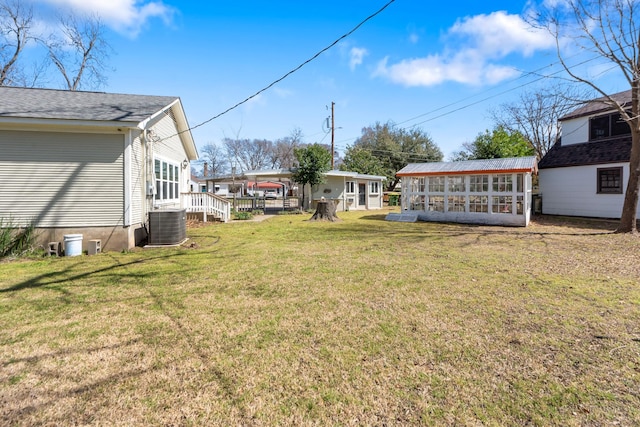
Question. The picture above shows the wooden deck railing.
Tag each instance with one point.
(209, 204)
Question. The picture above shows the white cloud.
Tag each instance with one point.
(356, 55)
(499, 34)
(474, 46)
(414, 38)
(126, 16)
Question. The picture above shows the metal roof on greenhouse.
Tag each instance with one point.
(506, 165)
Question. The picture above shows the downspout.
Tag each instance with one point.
(149, 189)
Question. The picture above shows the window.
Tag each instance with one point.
(607, 126)
(436, 184)
(519, 182)
(455, 203)
(417, 202)
(436, 204)
(503, 183)
(374, 187)
(456, 184)
(610, 180)
(479, 183)
(417, 185)
(350, 187)
(501, 204)
(479, 204)
(520, 205)
(167, 180)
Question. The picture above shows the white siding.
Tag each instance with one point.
(170, 148)
(575, 131)
(62, 179)
(573, 191)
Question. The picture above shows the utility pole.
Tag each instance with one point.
(332, 133)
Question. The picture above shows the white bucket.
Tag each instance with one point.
(72, 244)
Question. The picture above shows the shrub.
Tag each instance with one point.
(16, 241)
(242, 215)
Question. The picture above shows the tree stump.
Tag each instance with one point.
(325, 211)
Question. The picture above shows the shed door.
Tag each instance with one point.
(362, 194)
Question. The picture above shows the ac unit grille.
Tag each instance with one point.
(167, 227)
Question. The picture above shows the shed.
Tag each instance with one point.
(492, 191)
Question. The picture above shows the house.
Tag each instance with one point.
(493, 191)
(586, 172)
(91, 163)
(348, 190)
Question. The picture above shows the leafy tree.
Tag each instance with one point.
(395, 148)
(536, 114)
(496, 144)
(609, 29)
(313, 161)
(360, 160)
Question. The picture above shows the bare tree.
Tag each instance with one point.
(283, 155)
(15, 32)
(609, 29)
(536, 114)
(215, 158)
(80, 52)
(248, 154)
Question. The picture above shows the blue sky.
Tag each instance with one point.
(439, 66)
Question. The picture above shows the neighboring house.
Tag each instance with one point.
(91, 163)
(586, 172)
(197, 185)
(494, 191)
(348, 190)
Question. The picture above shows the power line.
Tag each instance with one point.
(270, 85)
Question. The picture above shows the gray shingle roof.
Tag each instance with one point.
(588, 153)
(599, 105)
(69, 105)
(470, 166)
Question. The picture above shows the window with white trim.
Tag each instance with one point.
(502, 204)
(167, 180)
(374, 187)
(418, 184)
(479, 183)
(436, 184)
(418, 202)
(456, 204)
(350, 187)
(456, 184)
(478, 203)
(436, 204)
(503, 183)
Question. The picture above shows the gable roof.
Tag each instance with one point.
(504, 165)
(589, 153)
(599, 105)
(73, 107)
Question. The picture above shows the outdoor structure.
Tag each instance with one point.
(92, 163)
(586, 172)
(347, 190)
(494, 191)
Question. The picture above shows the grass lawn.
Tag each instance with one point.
(359, 322)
